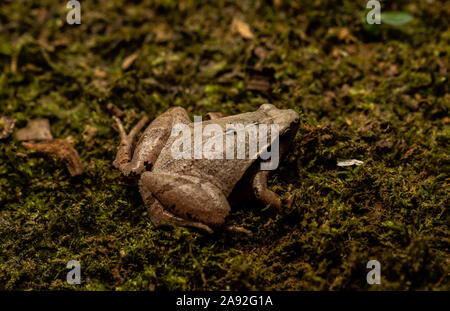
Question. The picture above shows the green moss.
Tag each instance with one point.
(352, 93)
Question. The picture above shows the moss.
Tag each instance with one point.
(355, 90)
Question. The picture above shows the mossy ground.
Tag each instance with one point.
(379, 95)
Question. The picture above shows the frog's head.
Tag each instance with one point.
(287, 120)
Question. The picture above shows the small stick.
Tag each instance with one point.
(114, 110)
(59, 149)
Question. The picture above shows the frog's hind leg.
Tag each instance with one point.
(159, 216)
(150, 144)
(127, 142)
(262, 193)
(188, 197)
(198, 203)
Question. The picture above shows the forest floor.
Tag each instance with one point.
(378, 94)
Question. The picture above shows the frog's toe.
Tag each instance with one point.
(161, 217)
(263, 194)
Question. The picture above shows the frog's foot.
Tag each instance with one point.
(188, 198)
(127, 142)
(263, 194)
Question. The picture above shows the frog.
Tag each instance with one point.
(199, 193)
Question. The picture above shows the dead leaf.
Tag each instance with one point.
(408, 153)
(231, 76)
(410, 102)
(114, 110)
(242, 28)
(88, 135)
(260, 79)
(6, 126)
(38, 129)
(14, 60)
(277, 3)
(345, 35)
(100, 73)
(129, 60)
(258, 84)
(31, 67)
(59, 149)
(260, 52)
(384, 144)
(163, 33)
(391, 71)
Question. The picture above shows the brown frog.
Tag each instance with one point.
(197, 192)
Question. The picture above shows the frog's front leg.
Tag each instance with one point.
(150, 144)
(187, 200)
(262, 193)
(259, 182)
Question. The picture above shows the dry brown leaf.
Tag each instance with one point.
(88, 135)
(242, 28)
(7, 126)
(260, 79)
(260, 52)
(38, 129)
(59, 149)
(100, 73)
(277, 3)
(114, 110)
(129, 60)
(391, 71)
(345, 35)
(384, 144)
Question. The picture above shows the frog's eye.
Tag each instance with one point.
(231, 132)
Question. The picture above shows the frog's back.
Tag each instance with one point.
(224, 173)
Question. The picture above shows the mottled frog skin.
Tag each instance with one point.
(196, 192)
